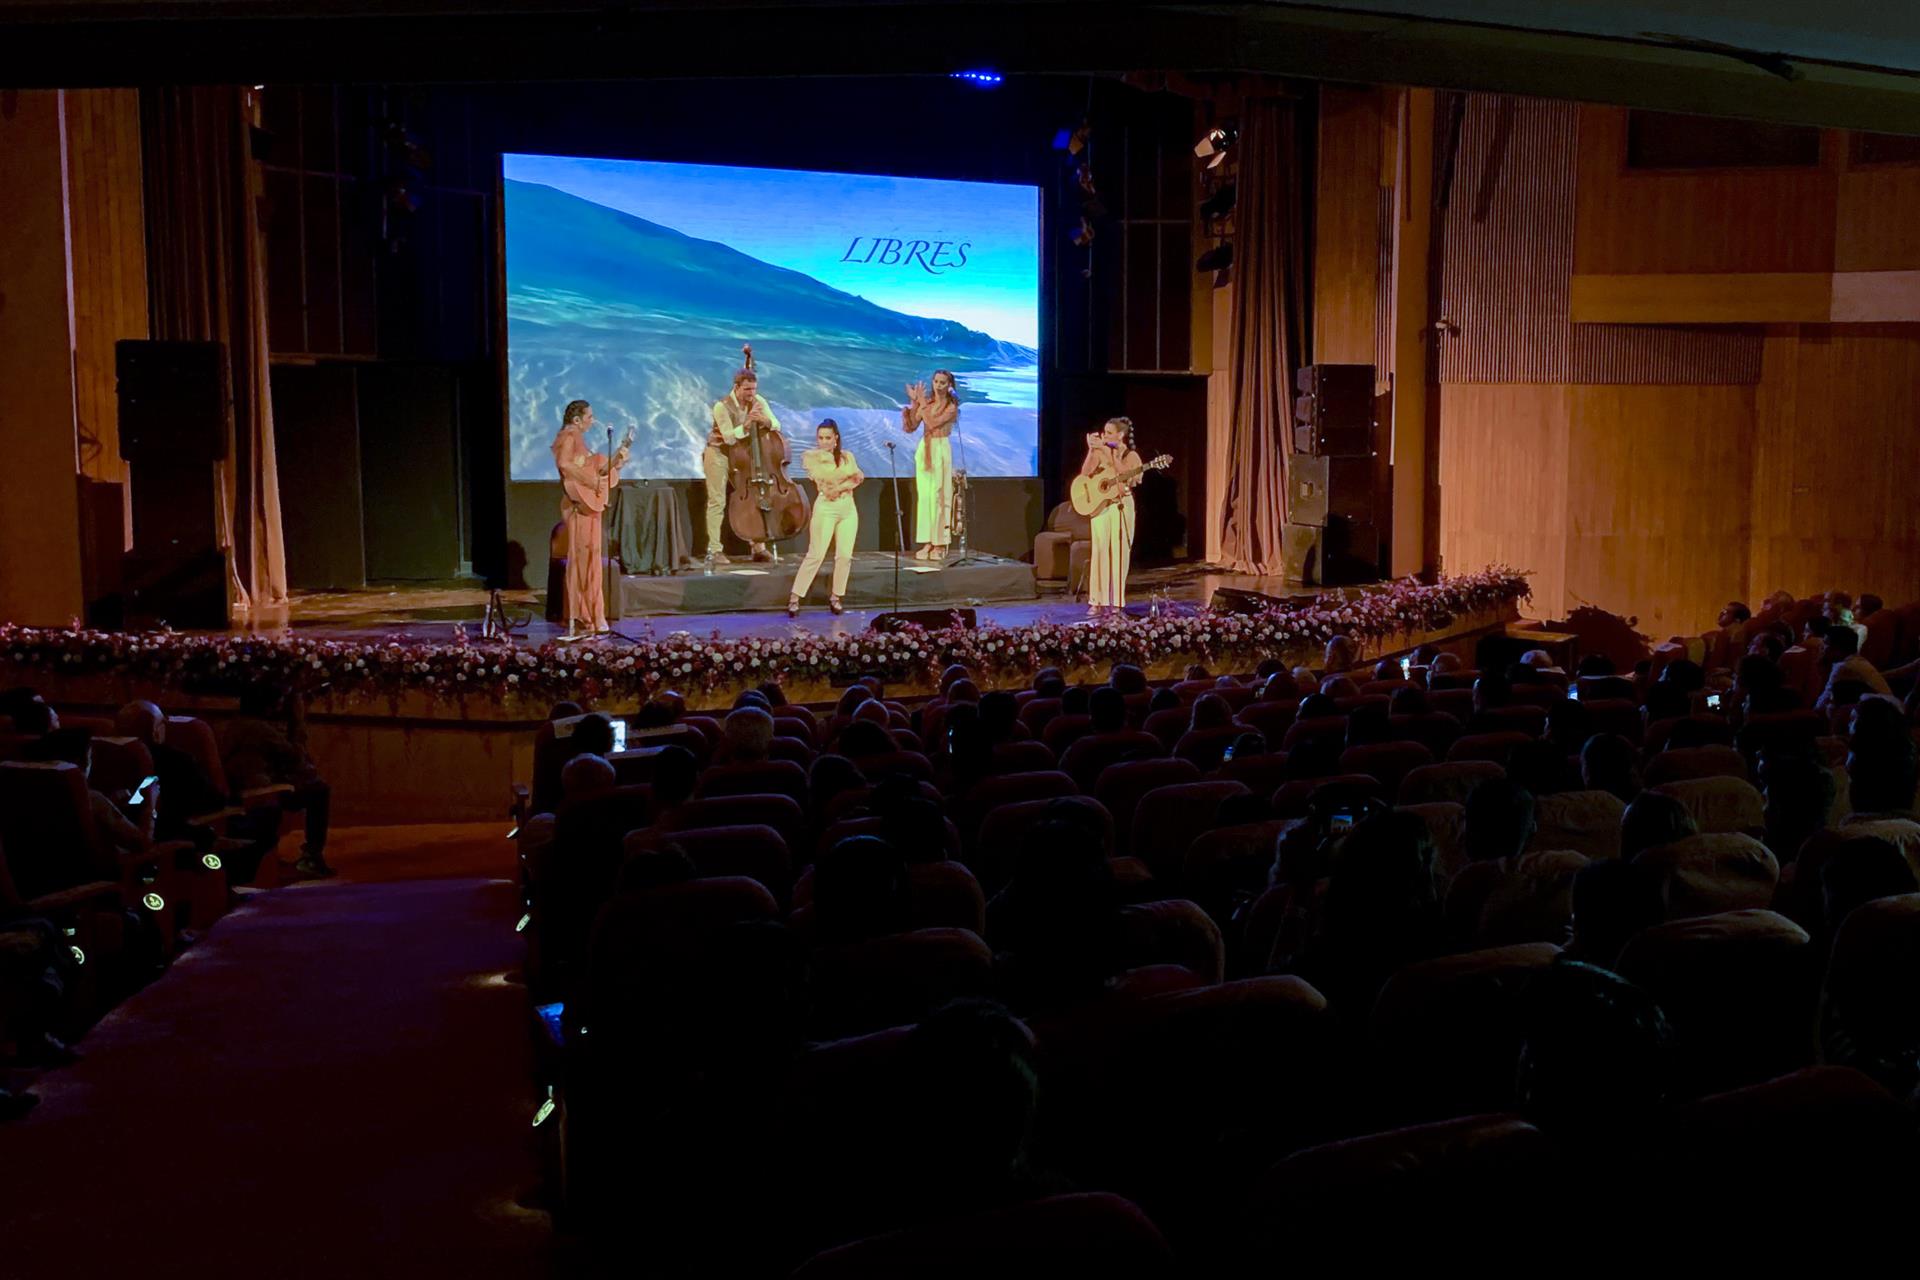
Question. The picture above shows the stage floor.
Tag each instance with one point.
(873, 584)
(434, 612)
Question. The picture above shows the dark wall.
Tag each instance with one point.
(316, 436)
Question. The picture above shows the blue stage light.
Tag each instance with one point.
(980, 79)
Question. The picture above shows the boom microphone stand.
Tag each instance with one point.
(899, 527)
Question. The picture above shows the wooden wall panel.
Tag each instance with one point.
(1715, 220)
(1836, 470)
(1346, 231)
(39, 500)
(1878, 219)
(109, 263)
(1508, 267)
(1657, 522)
(1503, 484)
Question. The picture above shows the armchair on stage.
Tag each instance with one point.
(1064, 549)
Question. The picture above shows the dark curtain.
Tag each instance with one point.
(206, 280)
(1268, 330)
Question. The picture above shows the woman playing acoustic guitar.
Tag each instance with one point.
(1111, 462)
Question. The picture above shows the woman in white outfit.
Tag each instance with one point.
(1110, 452)
(835, 476)
(932, 461)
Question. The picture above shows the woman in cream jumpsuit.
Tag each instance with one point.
(932, 462)
(835, 475)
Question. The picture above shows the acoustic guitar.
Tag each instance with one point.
(594, 497)
(1095, 493)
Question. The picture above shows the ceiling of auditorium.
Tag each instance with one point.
(1851, 63)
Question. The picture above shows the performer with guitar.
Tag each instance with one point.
(1104, 491)
(586, 481)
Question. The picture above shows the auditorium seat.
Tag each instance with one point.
(989, 794)
(1451, 782)
(1739, 990)
(1456, 704)
(1389, 762)
(1318, 1206)
(1718, 804)
(1869, 989)
(1706, 874)
(1586, 822)
(1088, 757)
(47, 827)
(1688, 762)
(776, 811)
(1262, 774)
(754, 851)
(1294, 799)
(897, 764)
(1708, 730)
(1090, 1233)
(944, 895)
(1207, 747)
(794, 749)
(1168, 725)
(1035, 713)
(1003, 832)
(1507, 901)
(885, 982)
(1496, 747)
(1269, 719)
(1229, 859)
(1620, 716)
(1447, 825)
(1169, 818)
(1434, 730)
(1021, 757)
(1172, 931)
(1530, 721)
(766, 777)
(1328, 729)
(1458, 1018)
(1064, 730)
(1120, 787)
(866, 824)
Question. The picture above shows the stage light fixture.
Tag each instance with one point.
(978, 79)
(1218, 258)
(1215, 141)
(1220, 203)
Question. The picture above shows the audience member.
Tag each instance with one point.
(859, 891)
(746, 735)
(1608, 762)
(265, 745)
(1595, 1062)
(1799, 794)
(1653, 820)
(1499, 820)
(1341, 655)
(1612, 901)
(128, 827)
(1381, 913)
(1054, 927)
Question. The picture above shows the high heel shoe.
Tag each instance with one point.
(924, 553)
(833, 603)
(793, 606)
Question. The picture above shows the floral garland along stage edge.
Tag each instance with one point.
(460, 668)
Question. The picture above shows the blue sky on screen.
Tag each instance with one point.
(813, 222)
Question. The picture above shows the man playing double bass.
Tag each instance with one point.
(733, 416)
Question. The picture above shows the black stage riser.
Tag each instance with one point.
(738, 587)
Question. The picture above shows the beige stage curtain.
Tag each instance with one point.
(206, 274)
(1268, 327)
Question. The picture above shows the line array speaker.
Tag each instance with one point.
(1333, 412)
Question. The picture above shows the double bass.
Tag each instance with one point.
(763, 504)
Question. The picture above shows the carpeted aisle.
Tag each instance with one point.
(334, 1082)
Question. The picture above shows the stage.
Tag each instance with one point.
(406, 699)
(746, 586)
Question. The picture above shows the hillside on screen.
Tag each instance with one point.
(645, 318)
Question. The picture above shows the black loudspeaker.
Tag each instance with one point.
(1300, 553)
(186, 591)
(173, 400)
(1333, 413)
(931, 619)
(1321, 490)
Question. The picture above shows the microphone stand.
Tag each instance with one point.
(962, 500)
(899, 528)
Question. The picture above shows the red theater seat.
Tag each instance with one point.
(776, 811)
(1168, 819)
(768, 777)
(1390, 762)
(1087, 1234)
(1451, 782)
(757, 852)
(1707, 874)
(1121, 786)
(1003, 832)
(889, 981)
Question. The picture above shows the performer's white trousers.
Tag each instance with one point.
(933, 491)
(837, 521)
(1112, 549)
